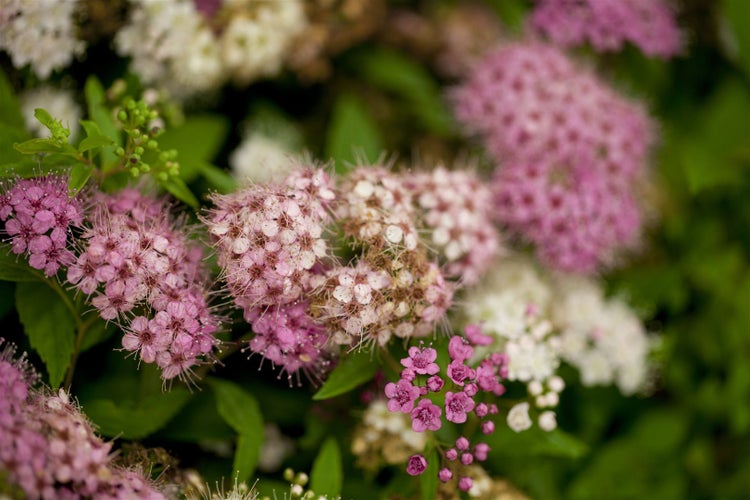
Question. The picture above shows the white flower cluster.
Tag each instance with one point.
(386, 436)
(58, 102)
(39, 33)
(172, 45)
(260, 159)
(541, 321)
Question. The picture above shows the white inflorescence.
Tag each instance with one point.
(39, 34)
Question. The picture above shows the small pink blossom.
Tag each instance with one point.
(457, 405)
(401, 396)
(459, 373)
(417, 465)
(458, 349)
(422, 361)
(426, 416)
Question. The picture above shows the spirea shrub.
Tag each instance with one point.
(225, 267)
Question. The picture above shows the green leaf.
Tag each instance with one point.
(218, 178)
(98, 332)
(33, 146)
(735, 15)
(326, 477)
(10, 108)
(353, 370)
(241, 411)
(397, 73)
(353, 134)
(179, 190)
(14, 268)
(117, 418)
(428, 481)
(237, 406)
(79, 176)
(101, 115)
(95, 141)
(49, 325)
(44, 117)
(535, 442)
(197, 140)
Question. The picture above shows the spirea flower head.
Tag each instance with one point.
(457, 209)
(608, 24)
(270, 237)
(290, 339)
(38, 217)
(560, 157)
(49, 449)
(602, 338)
(141, 270)
(40, 34)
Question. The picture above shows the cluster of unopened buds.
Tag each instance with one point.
(460, 390)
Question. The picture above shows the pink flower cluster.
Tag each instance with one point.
(456, 207)
(49, 449)
(288, 337)
(570, 153)
(38, 216)
(144, 273)
(460, 389)
(608, 24)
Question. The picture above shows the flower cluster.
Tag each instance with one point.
(40, 34)
(385, 437)
(608, 24)
(49, 449)
(567, 172)
(457, 209)
(38, 217)
(142, 271)
(459, 390)
(188, 48)
(602, 338)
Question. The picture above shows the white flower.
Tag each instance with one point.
(260, 159)
(275, 448)
(548, 421)
(518, 417)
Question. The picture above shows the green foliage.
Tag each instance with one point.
(326, 476)
(49, 322)
(735, 14)
(198, 140)
(354, 370)
(428, 481)
(13, 268)
(241, 411)
(353, 134)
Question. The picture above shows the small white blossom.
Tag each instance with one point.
(518, 417)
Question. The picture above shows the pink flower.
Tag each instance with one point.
(422, 361)
(401, 396)
(465, 483)
(459, 373)
(457, 405)
(458, 349)
(480, 451)
(435, 383)
(474, 333)
(608, 24)
(445, 475)
(417, 465)
(426, 416)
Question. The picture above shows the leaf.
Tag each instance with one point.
(33, 146)
(116, 418)
(49, 325)
(403, 76)
(198, 140)
(98, 332)
(100, 114)
(217, 178)
(44, 117)
(92, 142)
(353, 370)
(13, 267)
(352, 134)
(179, 190)
(10, 108)
(326, 477)
(535, 442)
(79, 176)
(428, 481)
(241, 411)
(735, 14)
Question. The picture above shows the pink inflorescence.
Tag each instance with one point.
(457, 209)
(608, 24)
(48, 448)
(461, 387)
(288, 337)
(570, 153)
(143, 272)
(38, 216)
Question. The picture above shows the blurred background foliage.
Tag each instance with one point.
(689, 439)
